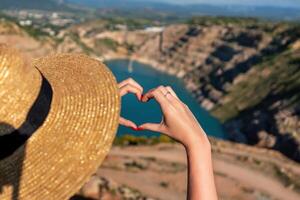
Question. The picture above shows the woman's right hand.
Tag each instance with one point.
(180, 124)
(178, 121)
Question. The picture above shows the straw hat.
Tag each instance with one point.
(70, 105)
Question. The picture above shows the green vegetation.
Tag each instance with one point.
(131, 23)
(287, 179)
(135, 165)
(277, 77)
(106, 43)
(164, 184)
(130, 47)
(248, 189)
(83, 46)
(30, 30)
(134, 140)
(139, 18)
(225, 20)
(209, 20)
(242, 22)
(33, 32)
(5, 17)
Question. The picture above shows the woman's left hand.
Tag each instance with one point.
(130, 86)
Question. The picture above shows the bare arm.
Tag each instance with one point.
(180, 124)
(200, 172)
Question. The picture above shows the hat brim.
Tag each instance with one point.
(76, 135)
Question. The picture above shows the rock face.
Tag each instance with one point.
(264, 106)
(246, 75)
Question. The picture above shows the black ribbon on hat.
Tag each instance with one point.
(36, 116)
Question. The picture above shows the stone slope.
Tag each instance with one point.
(262, 108)
(216, 60)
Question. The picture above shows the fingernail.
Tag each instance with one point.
(140, 128)
(133, 128)
(141, 97)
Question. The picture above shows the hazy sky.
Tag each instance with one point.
(289, 3)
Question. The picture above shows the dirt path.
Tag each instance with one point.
(237, 174)
(149, 183)
(256, 180)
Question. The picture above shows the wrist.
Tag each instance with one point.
(199, 143)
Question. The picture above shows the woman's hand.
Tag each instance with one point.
(130, 86)
(178, 121)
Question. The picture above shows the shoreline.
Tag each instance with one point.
(143, 60)
(161, 68)
(189, 86)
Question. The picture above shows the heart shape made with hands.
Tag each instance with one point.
(159, 94)
(136, 111)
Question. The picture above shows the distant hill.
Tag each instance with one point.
(33, 4)
(155, 9)
(269, 12)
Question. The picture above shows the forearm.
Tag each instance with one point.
(201, 185)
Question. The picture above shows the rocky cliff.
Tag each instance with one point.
(245, 72)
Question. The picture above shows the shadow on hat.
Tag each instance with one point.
(13, 139)
(58, 119)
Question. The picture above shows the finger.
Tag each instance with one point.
(157, 95)
(172, 91)
(146, 97)
(173, 98)
(151, 127)
(167, 94)
(163, 90)
(149, 95)
(127, 123)
(131, 89)
(132, 82)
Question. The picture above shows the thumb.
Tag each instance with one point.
(151, 127)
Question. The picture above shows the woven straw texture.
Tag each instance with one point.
(77, 133)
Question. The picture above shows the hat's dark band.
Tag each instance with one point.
(36, 116)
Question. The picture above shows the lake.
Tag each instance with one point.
(140, 113)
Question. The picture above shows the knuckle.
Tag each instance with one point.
(160, 87)
(130, 80)
(155, 92)
(127, 87)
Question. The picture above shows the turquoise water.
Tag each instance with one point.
(150, 112)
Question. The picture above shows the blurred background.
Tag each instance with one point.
(236, 63)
